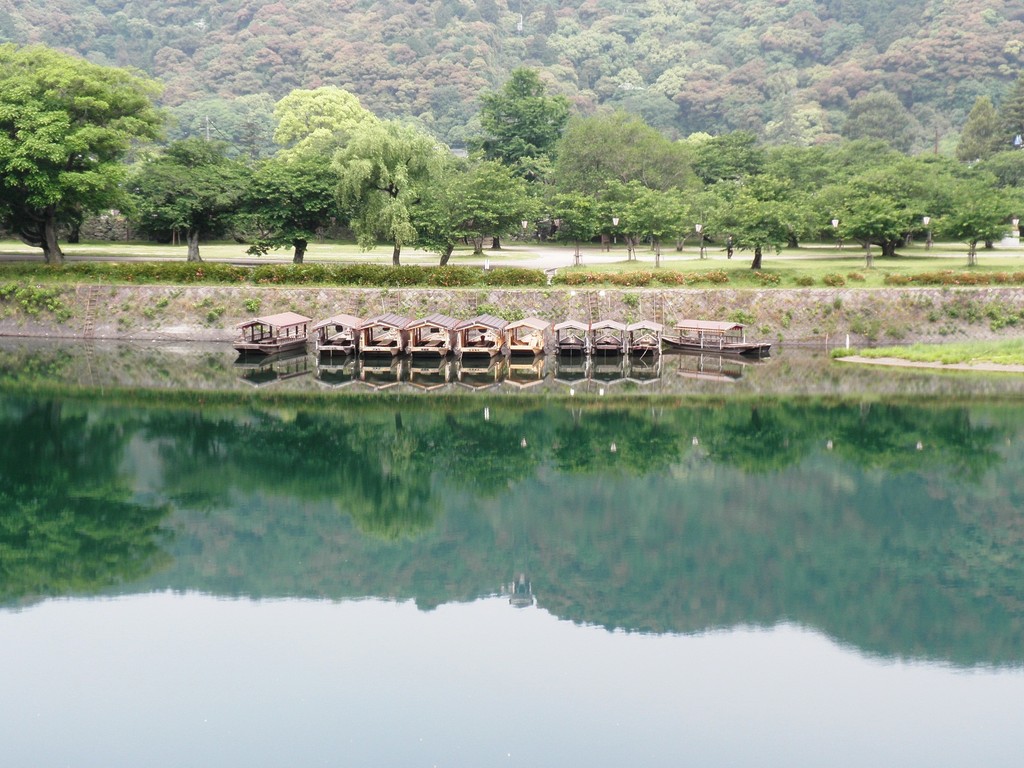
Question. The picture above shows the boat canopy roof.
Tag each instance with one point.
(709, 325)
(645, 325)
(348, 321)
(574, 324)
(530, 322)
(613, 324)
(281, 320)
(483, 321)
(388, 319)
(436, 318)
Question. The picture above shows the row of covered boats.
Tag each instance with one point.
(438, 335)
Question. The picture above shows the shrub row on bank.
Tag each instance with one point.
(949, 277)
(386, 276)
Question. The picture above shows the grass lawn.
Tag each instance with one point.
(1008, 352)
(812, 265)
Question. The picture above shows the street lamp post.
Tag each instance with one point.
(615, 223)
(835, 230)
(927, 220)
(1015, 234)
(700, 231)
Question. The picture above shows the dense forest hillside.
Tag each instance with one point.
(788, 71)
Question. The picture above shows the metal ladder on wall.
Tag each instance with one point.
(92, 299)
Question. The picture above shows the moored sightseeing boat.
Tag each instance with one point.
(572, 338)
(273, 334)
(433, 335)
(527, 336)
(715, 336)
(338, 335)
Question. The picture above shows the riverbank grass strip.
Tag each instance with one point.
(1004, 352)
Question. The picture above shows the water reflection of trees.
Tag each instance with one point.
(880, 543)
(69, 525)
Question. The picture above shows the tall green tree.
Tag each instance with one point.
(577, 218)
(318, 120)
(730, 157)
(881, 115)
(382, 169)
(597, 150)
(982, 136)
(521, 123)
(289, 198)
(472, 203)
(193, 186)
(1011, 116)
(980, 211)
(754, 223)
(65, 127)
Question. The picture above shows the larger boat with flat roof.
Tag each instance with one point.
(715, 336)
(273, 334)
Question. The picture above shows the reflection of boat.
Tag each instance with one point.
(483, 335)
(572, 338)
(432, 336)
(645, 370)
(383, 335)
(260, 371)
(341, 375)
(338, 335)
(272, 334)
(430, 374)
(525, 373)
(714, 336)
(521, 592)
(476, 373)
(572, 370)
(712, 366)
(526, 336)
(381, 372)
(608, 368)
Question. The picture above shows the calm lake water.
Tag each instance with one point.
(500, 580)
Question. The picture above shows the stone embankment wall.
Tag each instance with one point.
(797, 316)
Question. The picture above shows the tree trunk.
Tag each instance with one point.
(193, 245)
(395, 256)
(447, 254)
(495, 243)
(792, 242)
(40, 231)
(478, 245)
(51, 248)
(869, 259)
(889, 247)
(756, 263)
(300, 250)
(972, 253)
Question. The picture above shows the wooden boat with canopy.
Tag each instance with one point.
(273, 334)
(644, 337)
(383, 335)
(715, 336)
(572, 338)
(527, 336)
(433, 335)
(338, 335)
(483, 335)
(609, 337)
